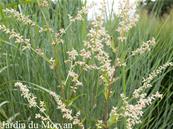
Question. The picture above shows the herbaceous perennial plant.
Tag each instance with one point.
(94, 57)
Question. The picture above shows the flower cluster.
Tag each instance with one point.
(32, 100)
(72, 54)
(99, 124)
(76, 120)
(128, 19)
(94, 47)
(98, 38)
(45, 29)
(39, 51)
(58, 37)
(43, 3)
(85, 55)
(147, 81)
(26, 20)
(41, 117)
(75, 80)
(133, 112)
(61, 106)
(94, 51)
(42, 109)
(113, 116)
(119, 63)
(42, 106)
(67, 113)
(79, 16)
(19, 16)
(146, 46)
(26, 94)
(12, 34)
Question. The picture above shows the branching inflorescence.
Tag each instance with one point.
(16, 36)
(128, 19)
(93, 57)
(32, 100)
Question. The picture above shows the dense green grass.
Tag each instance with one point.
(28, 67)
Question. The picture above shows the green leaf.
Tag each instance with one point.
(3, 103)
(71, 101)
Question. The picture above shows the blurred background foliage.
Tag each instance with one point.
(158, 7)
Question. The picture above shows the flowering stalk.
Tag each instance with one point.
(21, 18)
(56, 37)
(128, 19)
(43, 3)
(98, 39)
(133, 112)
(23, 41)
(147, 81)
(67, 113)
(32, 100)
(14, 35)
(145, 47)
